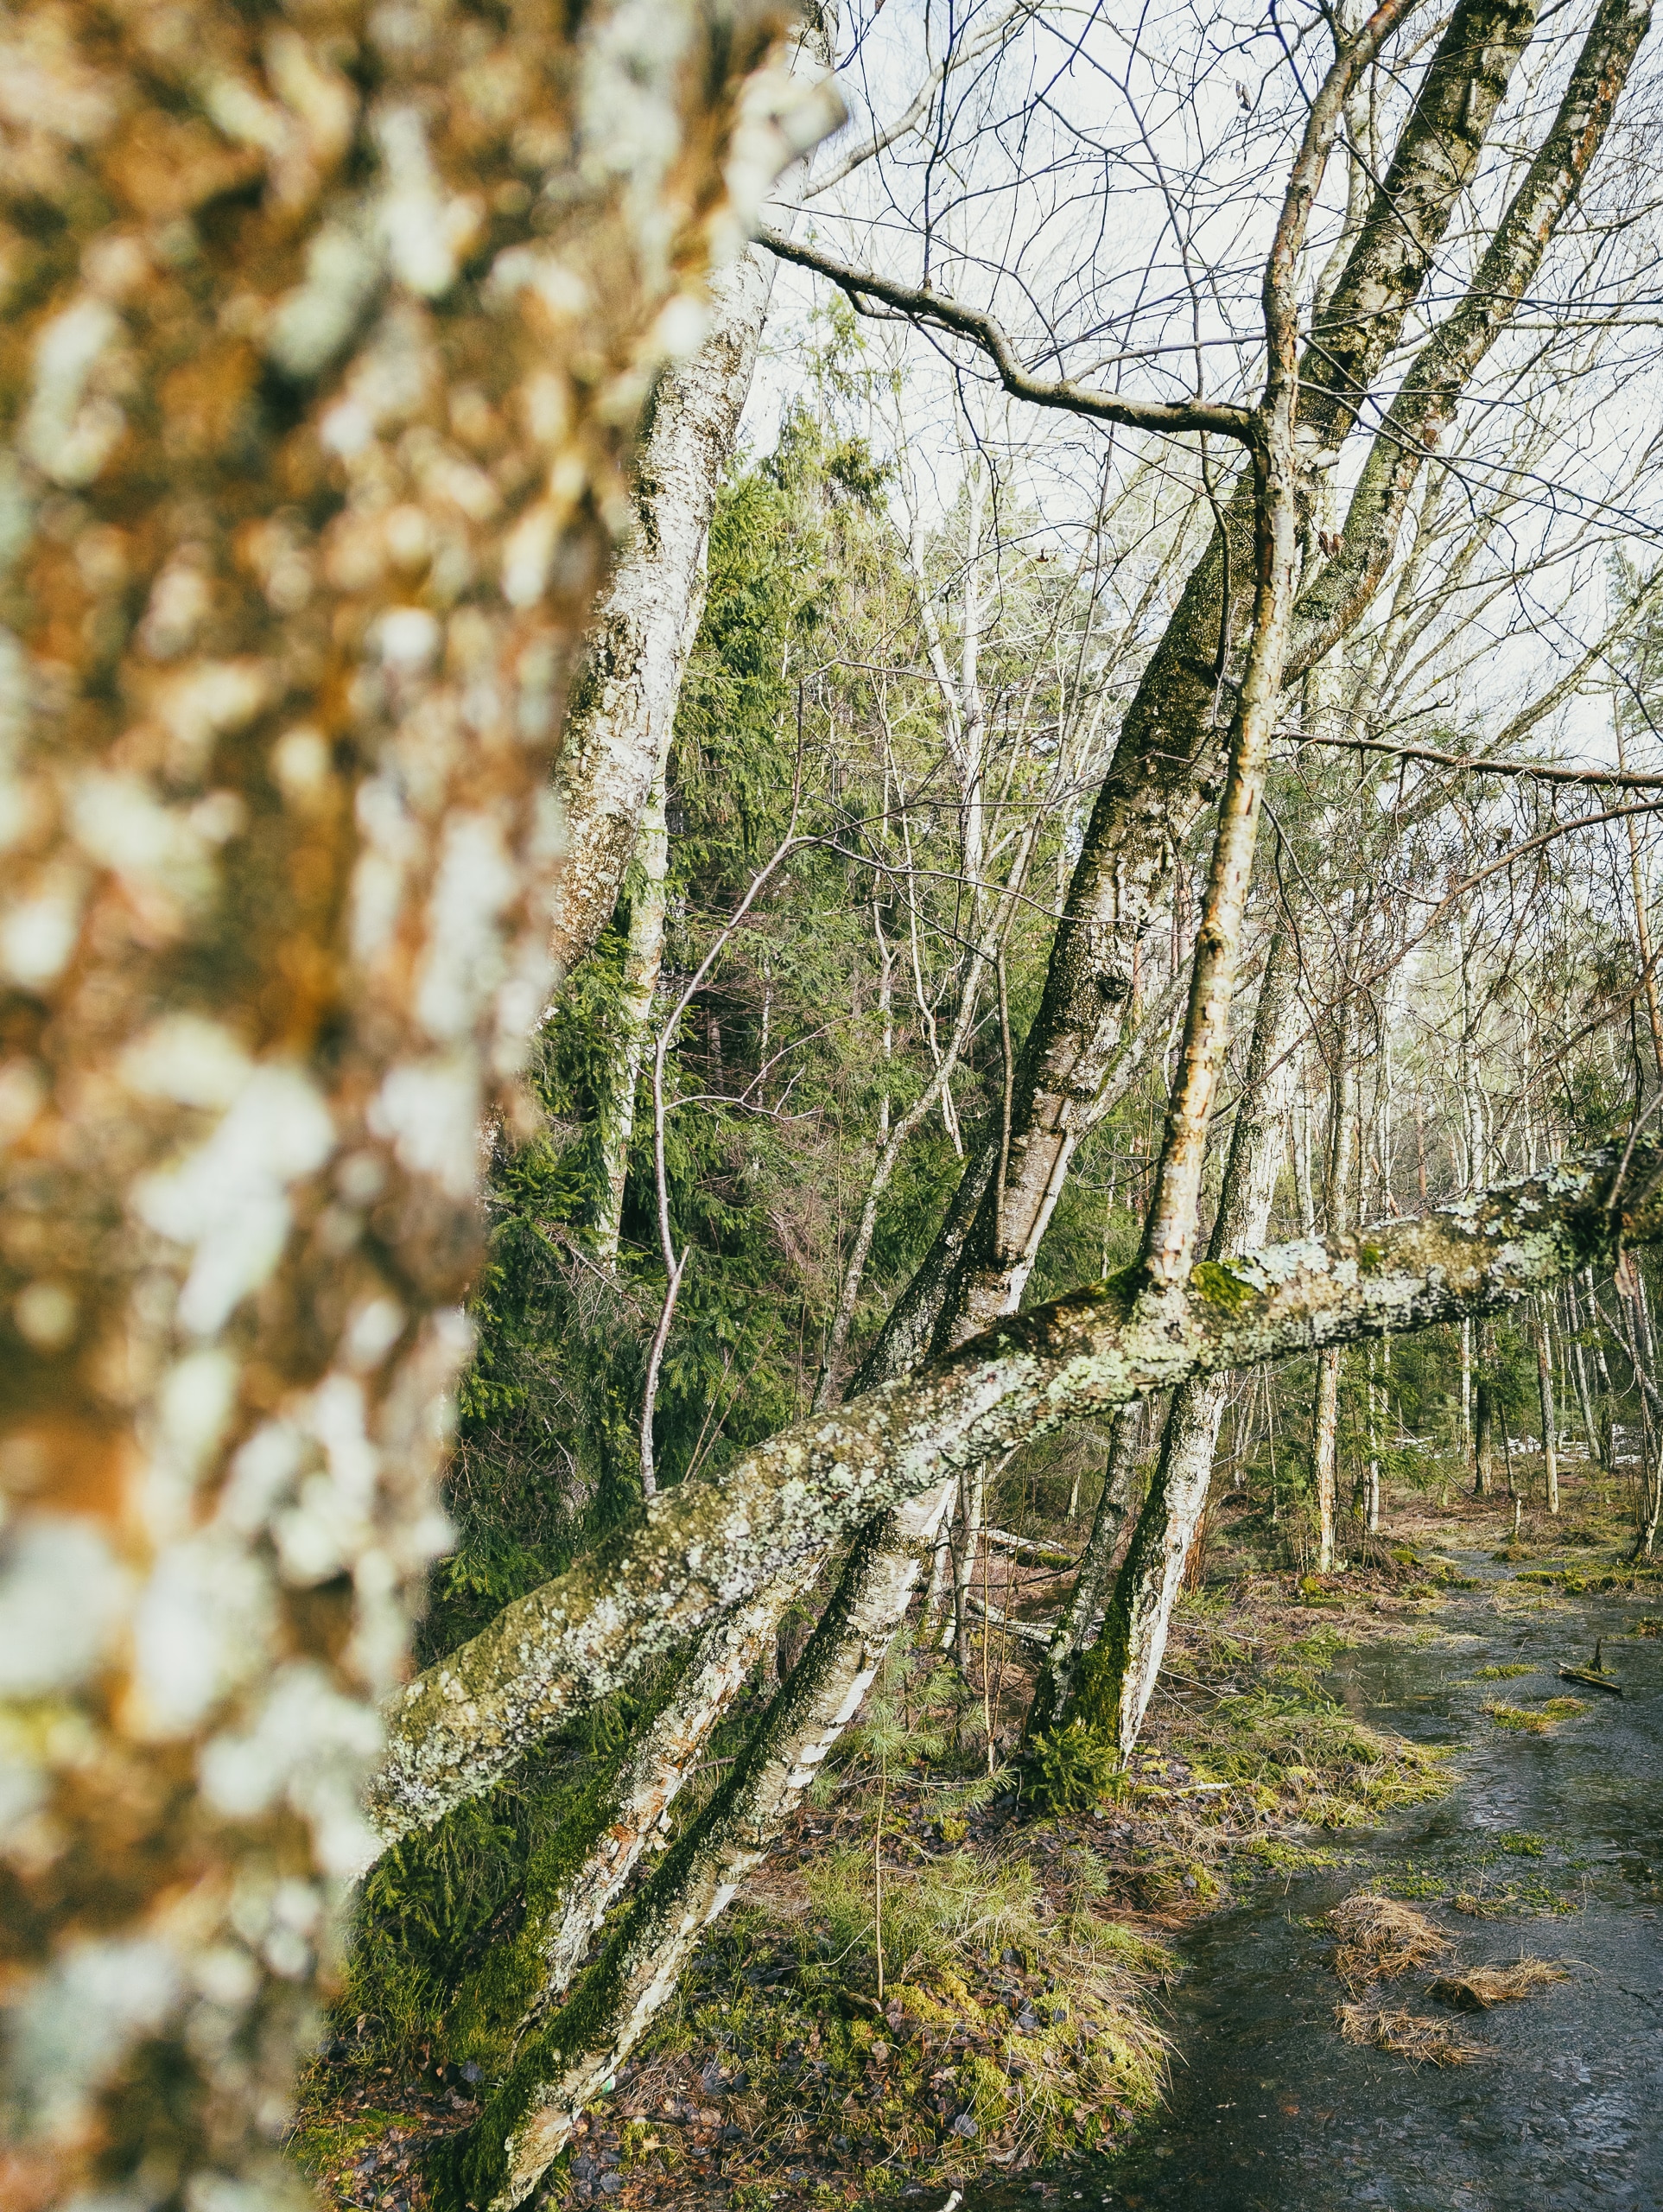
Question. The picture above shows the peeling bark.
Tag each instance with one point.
(707, 1546)
(318, 404)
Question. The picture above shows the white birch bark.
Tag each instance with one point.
(1550, 1412)
(644, 954)
(274, 932)
(623, 709)
(529, 2120)
(623, 702)
(1118, 1680)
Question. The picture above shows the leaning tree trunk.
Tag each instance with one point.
(528, 2120)
(320, 371)
(1117, 1677)
(1168, 758)
(707, 1547)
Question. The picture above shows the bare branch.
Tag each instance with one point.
(936, 311)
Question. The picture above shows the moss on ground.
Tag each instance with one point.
(1013, 2028)
(1021, 1918)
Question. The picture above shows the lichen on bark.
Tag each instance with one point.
(710, 1545)
(326, 331)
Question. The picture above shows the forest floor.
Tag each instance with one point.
(935, 1976)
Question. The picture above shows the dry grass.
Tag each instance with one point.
(1477, 1988)
(1380, 1938)
(1423, 2041)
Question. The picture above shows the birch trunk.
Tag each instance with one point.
(707, 1547)
(325, 316)
(529, 2119)
(643, 955)
(1340, 1209)
(1169, 756)
(1550, 1417)
(1483, 1434)
(1118, 1677)
(903, 1342)
(1080, 1621)
(1572, 1336)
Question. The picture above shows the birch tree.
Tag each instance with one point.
(327, 335)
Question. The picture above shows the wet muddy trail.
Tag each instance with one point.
(1559, 1835)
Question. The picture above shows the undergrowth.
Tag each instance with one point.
(1012, 2028)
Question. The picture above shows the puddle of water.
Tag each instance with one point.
(1270, 2112)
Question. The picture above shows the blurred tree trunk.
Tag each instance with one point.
(322, 364)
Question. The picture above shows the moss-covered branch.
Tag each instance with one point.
(710, 1545)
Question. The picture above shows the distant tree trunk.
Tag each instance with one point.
(1572, 1337)
(1466, 1385)
(321, 389)
(1549, 1415)
(644, 954)
(1339, 1206)
(1483, 1429)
